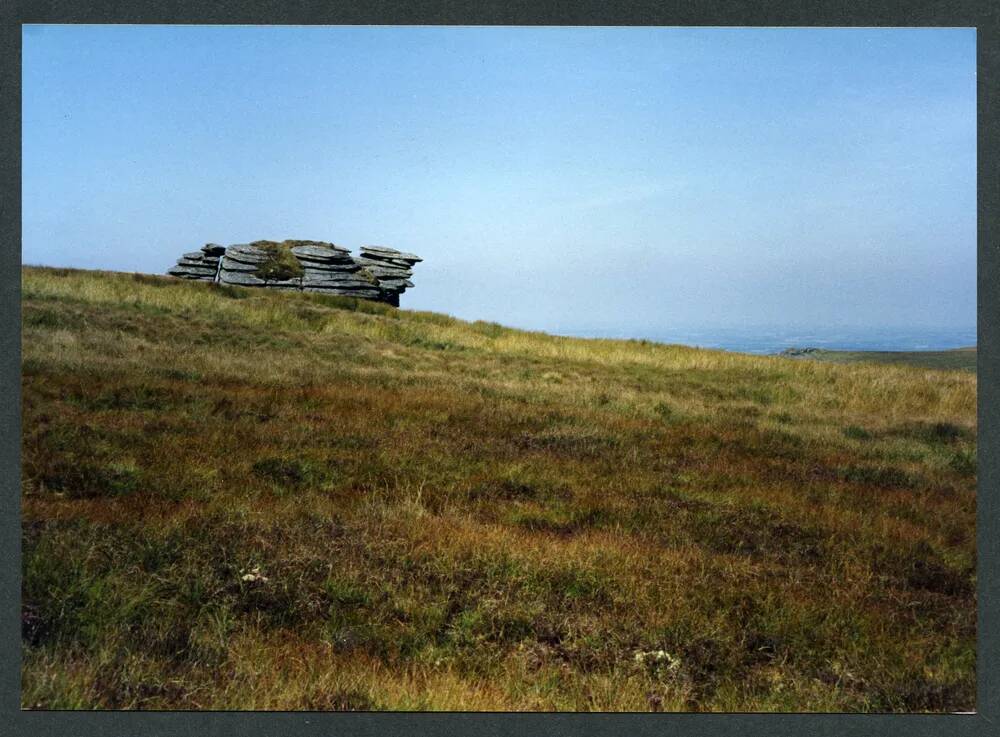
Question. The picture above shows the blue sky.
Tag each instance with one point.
(564, 179)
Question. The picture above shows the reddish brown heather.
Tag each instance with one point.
(244, 500)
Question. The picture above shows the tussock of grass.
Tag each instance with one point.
(240, 499)
(281, 263)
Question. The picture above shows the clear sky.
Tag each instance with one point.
(563, 179)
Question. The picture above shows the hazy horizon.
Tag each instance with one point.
(593, 179)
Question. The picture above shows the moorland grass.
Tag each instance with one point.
(236, 499)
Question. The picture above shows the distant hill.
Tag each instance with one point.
(958, 358)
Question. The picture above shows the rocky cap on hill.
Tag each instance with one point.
(800, 352)
(378, 273)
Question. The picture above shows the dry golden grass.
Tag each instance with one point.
(247, 500)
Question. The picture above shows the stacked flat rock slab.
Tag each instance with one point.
(239, 265)
(331, 270)
(392, 268)
(380, 273)
(199, 265)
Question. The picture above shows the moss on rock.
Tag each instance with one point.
(281, 264)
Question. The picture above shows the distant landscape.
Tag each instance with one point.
(250, 499)
(957, 358)
(767, 340)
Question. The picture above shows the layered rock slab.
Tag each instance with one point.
(200, 265)
(379, 273)
(392, 268)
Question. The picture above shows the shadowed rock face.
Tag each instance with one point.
(200, 265)
(392, 268)
(378, 273)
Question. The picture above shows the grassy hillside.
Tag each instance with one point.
(959, 358)
(253, 500)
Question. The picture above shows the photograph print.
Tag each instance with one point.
(498, 369)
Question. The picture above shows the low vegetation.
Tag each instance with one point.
(281, 263)
(239, 499)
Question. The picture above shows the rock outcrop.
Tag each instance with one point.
(379, 273)
(329, 268)
(390, 267)
(200, 265)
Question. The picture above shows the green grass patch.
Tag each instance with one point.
(857, 433)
